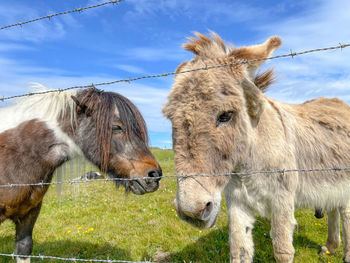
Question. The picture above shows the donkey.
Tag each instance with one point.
(39, 133)
(222, 122)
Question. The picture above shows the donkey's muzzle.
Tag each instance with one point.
(200, 218)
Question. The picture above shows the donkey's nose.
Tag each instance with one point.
(207, 210)
(157, 173)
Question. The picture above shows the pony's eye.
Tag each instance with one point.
(224, 117)
(117, 128)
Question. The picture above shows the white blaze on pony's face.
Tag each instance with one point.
(211, 113)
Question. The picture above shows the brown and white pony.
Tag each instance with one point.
(39, 133)
(223, 122)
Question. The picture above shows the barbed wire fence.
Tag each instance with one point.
(129, 80)
(77, 10)
(233, 174)
(237, 174)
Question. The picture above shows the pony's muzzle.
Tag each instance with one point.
(155, 174)
(149, 183)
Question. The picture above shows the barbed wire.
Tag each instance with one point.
(92, 85)
(61, 13)
(42, 257)
(238, 174)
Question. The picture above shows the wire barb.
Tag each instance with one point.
(129, 80)
(79, 10)
(292, 54)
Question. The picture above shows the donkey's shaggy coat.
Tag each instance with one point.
(223, 122)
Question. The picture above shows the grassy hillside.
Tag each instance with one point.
(94, 220)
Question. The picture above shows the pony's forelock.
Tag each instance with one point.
(131, 118)
(101, 106)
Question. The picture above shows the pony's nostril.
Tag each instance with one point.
(207, 210)
(157, 173)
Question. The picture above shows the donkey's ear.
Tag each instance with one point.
(81, 108)
(179, 68)
(254, 99)
(263, 50)
(206, 46)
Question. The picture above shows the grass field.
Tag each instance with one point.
(94, 220)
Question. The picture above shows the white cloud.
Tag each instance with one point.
(317, 74)
(155, 54)
(130, 68)
(222, 12)
(39, 31)
(33, 32)
(8, 46)
(323, 26)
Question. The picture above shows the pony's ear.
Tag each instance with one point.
(81, 108)
(263, 50)
(254, 99)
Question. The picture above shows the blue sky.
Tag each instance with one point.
(140, 37)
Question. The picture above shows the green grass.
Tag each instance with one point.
(95, 220)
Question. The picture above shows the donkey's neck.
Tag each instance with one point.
(268, 148)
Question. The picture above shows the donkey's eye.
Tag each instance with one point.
(224, 117)
(117, 128)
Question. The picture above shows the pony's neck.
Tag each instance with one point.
(49, 108)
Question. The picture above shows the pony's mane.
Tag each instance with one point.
(101, 106)
(212, 47)
(51, 106)
(47, 107)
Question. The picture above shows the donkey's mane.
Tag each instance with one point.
(264, 79)
(213, 47)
